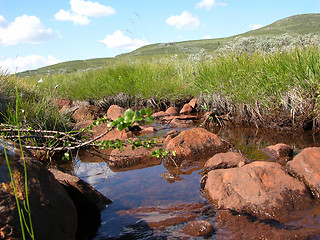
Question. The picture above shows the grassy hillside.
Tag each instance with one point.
(295, 25)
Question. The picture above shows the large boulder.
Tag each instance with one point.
(260, 188)
(195, 143)
(225, 160)
(88, 201)
(306, 166)
(53, 213)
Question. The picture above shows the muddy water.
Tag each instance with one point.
(147, 204)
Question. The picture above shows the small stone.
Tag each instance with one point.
(198, 228)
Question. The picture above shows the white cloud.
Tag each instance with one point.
(81, 10)
(119, 40)
(255, 26)
(25, 29)
(63, 15)
(208, 4)
(185, 21)
(20, 64)
(207, 36)
(91, 9)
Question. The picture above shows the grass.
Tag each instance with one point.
(276, 85)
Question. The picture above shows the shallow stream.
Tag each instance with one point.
(148, 205)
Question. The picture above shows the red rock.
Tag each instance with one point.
(279, 150)
(52, 210)
(112, 135)
(170, 216)
(147, 130)
(198, 228)
(128, 159)
(84, 113)
(225, 160)
(195, 142)
(114, 112)
(187, 108)
(176, 122)
(260, 188)
(62, 103)
(306, 166)
(171, 111)
(193, 102)
(160, 114)
(81, 192)
(234, 226)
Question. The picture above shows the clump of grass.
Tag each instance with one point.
(269, 85)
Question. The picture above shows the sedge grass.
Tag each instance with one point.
(269, 82)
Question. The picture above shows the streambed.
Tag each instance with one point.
(149, 205)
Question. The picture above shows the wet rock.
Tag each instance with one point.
(193, 143)
(171, 111)
(160, 114)
(279, 151)
(198, 228)
(128, 159)
(53, 212)
(81, 192)
(170, 216)
(88, 201)
(234, 226)
(225, 160)
(147, 130)
(187, 108)
(259, 188)
(112, 135)
(114, 112)
(176, 122)
(306, 166)
(171, 177)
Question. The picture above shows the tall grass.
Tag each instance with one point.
(263, 84)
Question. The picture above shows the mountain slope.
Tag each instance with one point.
(294, 25)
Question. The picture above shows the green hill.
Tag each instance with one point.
(295, 25)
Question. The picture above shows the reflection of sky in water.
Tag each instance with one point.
(93, 173)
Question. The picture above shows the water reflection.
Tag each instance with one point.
(140, 195)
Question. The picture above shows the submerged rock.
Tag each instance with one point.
(306, 166)
(260, 188)
(234, 226)
(198, 228)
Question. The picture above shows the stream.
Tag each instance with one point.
(149, 205)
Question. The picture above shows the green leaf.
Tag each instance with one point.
(149, 119)
(127, 119)
(148, 111)
(120, 119)
(129, 112)
(142, 112)
(120, 127)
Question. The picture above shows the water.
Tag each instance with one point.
(147, 206)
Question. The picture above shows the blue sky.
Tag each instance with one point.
(37, 33)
